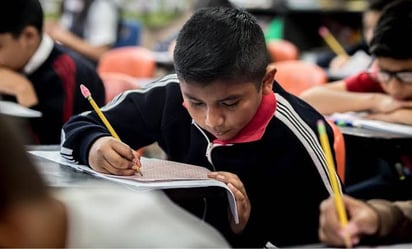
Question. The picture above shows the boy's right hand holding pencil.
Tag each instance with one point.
(363, 220)
(111, 156)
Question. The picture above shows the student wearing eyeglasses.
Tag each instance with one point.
(385, 90)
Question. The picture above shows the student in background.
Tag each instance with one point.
(222, 111)
(89, 27)
(37, 73)
(384, 91)
(372, 222)
(369, 19)
(97, 215)
(168, 43)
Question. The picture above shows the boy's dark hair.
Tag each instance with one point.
(389, 38)
(221, 43)
(15, 15)
(19, 180)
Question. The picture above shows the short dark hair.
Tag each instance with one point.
(15, 15)
(221, 43)
(390, 37)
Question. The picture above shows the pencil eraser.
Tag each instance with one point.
(85, 91)
(323, 31)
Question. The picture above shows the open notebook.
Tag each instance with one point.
(157, 174)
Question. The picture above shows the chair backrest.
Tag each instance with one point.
(340, 151)
(129, 34)
(282, 50)
(115, 83)
(135, 61)
(297, 76)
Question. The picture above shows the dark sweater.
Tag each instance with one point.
(278, 160)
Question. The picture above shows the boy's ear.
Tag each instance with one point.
(268, 79)
(31, 35)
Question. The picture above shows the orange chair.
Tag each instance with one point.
(340, 151)
(115, 83)
(132, 60)
(282, 50)
(297, 76)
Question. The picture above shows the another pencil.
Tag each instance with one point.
(86, 93)
(333, 177)
(332, 42)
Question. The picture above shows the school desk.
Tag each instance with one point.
(60, 176)
(374, 154)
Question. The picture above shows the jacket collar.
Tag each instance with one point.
(40, 56)
(255, 129)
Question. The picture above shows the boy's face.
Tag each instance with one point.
(224, 108)
(15, 52)
(394, 86)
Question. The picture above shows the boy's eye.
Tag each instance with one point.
(230, 103)
(196, 103)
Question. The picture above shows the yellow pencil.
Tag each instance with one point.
(86, 93)
(333, 177)
(332, 42)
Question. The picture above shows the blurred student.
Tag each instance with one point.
(168, 43)
(37, 73)
(373, 222)
(89, 27)
(385, 91)
(97, 215)
(222, 111)
(369, 19)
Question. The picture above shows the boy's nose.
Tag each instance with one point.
(214, 118)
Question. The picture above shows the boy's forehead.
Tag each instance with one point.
(218, 88)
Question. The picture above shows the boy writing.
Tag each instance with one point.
(222, 111)
(376, 221)
(38, 73)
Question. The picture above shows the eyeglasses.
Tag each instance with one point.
(385, 76)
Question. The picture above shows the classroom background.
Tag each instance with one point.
(296, 21)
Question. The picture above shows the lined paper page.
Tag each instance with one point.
(162, 170)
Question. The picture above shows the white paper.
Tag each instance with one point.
(358, 62)
(16, 110)
(182, 180)
(356, 120)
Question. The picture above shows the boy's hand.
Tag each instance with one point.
(400, 116)
(111, 156)
(15, 84)
(242, 200)
(384, 103)
(363, 220)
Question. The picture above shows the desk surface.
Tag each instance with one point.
(368, 133)
(57, 175)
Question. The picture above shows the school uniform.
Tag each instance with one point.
(362, 82)
(56, 75)
(277, 156)
(369, 174)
